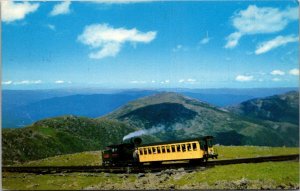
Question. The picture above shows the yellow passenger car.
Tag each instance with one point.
(192, 149)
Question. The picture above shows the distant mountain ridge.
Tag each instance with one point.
(24, 107)
(163, 116)
(184, 117)
(278, 108)
(81, 105)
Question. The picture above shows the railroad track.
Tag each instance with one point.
(133, 169)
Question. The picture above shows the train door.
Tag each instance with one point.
(209, 150)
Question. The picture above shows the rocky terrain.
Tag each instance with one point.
(280, 175)
(165, 180)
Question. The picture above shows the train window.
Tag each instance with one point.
(163, 150)
(194, 146)
(183, 148)
(145, 151)
(158, 149)
(173, 148)
(178, 148)
(154, 150)
(149, 151)
(168, 148)
(141, 151)
(189, 148)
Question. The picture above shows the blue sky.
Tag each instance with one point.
(153, 44)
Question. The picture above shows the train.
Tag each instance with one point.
(134, 153)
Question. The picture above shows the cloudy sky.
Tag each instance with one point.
(150, 44)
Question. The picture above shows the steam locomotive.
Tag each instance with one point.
(134, 153)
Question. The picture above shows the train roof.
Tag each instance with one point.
(176, 141)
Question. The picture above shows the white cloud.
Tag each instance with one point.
(59, 82)
(62, 82)
(108, 40)
(277, 72)
(233, 39)
(109, 49)
(51, 27)
(138, 82)
(7, 82)
(274, 43)
(294, 72)
(205, 40)
(191, 80)
(244, 78)
(27, 82)
(165, 82)
(276, 79)
(61, 8)
(177, 48)
(12, 11)
(188, 81)
(255, 20)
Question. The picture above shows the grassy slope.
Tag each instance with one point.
(231, 152)
(89, 158)
(262, 175)
(225, 152)
(72, 181)
(271, 175)
(61, 135)
(258, 174)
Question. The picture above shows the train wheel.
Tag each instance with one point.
(156, 163)
(195, 162)
(205, 159)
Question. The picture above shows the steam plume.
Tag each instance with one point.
(141, 132)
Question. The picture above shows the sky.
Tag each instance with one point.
(150, 44)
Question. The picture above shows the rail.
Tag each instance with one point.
(138, 169)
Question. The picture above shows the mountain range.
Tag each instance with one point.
(174, 116)
(269, 121)
(24, 107)
(279, 108)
